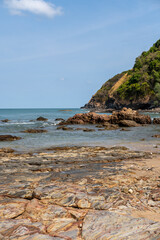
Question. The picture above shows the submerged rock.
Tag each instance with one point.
(9, 138)
(64, 128)
(35, 131)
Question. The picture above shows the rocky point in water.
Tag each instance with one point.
(124, 118)
(138, 88)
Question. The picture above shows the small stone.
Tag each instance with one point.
(130, 190)
(151, 203)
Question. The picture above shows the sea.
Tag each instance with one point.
(137, 138)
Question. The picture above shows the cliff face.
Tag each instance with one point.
(138, 88)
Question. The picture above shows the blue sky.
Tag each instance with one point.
(58, 53)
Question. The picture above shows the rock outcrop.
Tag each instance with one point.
(124, 118)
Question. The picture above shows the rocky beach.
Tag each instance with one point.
(81, 192)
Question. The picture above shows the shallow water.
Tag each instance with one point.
(20, 120)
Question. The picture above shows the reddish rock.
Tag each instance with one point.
(8, 138)
(87, 118)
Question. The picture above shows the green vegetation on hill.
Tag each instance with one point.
(138, 87)
(144, 79)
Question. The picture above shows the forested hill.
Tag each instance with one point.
(138, 88)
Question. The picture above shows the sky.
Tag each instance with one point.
(58, 53)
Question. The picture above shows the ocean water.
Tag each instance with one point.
(23, 119)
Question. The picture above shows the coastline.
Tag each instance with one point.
(60, 192)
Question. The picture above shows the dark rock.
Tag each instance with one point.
(59, 119)
(156, 121)
(125, 129)
(88, 130)
(41, 119)
(5, 120)
(9, 138)
(64, 128)
(35, 131)
(156, 136)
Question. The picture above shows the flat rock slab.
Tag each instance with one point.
(79, 193)
(107, 225)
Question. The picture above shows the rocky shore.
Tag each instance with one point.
(79, 193)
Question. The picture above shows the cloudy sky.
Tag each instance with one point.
(57, 53)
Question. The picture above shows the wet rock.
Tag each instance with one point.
(156, 121)
(65, 128)
(125, 129)
(106, 225)
(128, 123)
(88, 130)
(59, 119)
(5, 120)
(41, 119)
(9, 138)
(156, 136)
(35, 131)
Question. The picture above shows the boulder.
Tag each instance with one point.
(41, 119)
(128, 123)
(9, 138)
(156, 121)
(35, 131)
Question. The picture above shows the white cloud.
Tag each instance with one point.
(41, 7)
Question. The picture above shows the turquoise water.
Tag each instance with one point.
(20, 120)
